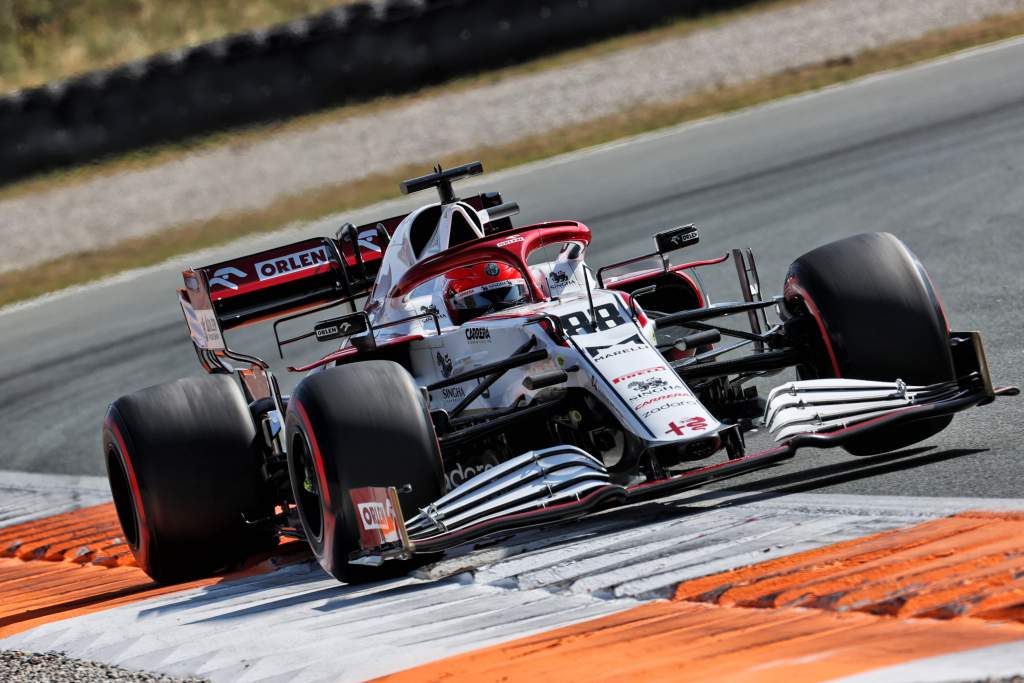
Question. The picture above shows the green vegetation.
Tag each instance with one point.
(43, 40)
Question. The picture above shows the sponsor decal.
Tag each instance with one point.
(638, 373)
(648, 386)
(376, 515)
(579, 322)
(365, 240)
(558, 278)
(336, 328)
(487, 287)
(222, 277)
(367, 237)
(510, 240)
(498, 285)
(477, 334)
(695, 424)
(444, 363)
(676, 238)
(658, 399)
(665, 406)
(629, 345)
(329, 332)
(453, 393)
(460, 474)
(292, 263)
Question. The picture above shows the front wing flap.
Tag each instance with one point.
(556, 484)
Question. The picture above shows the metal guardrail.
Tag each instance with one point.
(347, 54)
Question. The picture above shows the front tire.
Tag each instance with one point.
(364, 424)
(875, 317)
(183, 464)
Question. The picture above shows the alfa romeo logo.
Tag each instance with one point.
(444, 361)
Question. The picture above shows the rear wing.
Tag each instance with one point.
(291, 279)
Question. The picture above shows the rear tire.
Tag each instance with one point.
(364, 424)
(877, 318)
(183, 463)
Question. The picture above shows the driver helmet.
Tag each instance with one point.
(483, 288)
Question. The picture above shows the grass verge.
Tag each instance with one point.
(42, 40)
(79, 268)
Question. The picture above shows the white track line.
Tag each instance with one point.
(982, 664)
(25, 496)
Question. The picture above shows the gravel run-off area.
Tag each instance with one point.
(107, 209)
(31, 667)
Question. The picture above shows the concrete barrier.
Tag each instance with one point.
(347, 54)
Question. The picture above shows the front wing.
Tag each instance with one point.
(564, 482)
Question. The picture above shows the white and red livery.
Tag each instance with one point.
(485, 378)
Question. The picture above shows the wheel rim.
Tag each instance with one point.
(307, 494)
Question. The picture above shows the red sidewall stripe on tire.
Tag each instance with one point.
(321, 473)
(132, 480)
(793, 287)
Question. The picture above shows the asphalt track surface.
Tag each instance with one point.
(934, 154)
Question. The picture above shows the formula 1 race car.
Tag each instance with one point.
(484, 379)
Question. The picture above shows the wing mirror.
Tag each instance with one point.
(667, 241)
(676, 238)
(345, 326)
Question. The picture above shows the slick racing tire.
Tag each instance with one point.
(184, 468)
(358, 425)
(876, 317)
